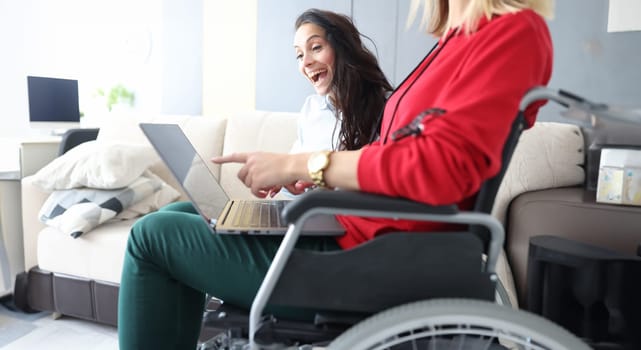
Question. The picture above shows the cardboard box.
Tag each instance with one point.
(619, 177)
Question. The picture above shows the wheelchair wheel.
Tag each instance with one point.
(456, 324)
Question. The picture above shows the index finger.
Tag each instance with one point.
(230, 158)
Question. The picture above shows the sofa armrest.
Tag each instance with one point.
(33, 197)
(571, 213)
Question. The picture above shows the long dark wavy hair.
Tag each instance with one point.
(359, 86)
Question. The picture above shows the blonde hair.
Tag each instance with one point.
(435, 17)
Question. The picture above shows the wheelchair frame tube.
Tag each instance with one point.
(294, 231)
(590, 109)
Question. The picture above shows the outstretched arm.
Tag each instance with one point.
(262, 171)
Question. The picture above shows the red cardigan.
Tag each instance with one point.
(479, 80)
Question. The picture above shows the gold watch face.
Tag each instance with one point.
(317, 162)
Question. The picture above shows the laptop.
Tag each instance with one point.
(223, 215)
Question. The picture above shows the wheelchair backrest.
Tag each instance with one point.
(487, 194)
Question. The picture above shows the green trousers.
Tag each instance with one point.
(172, 260)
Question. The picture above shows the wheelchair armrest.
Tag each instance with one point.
(359, 201)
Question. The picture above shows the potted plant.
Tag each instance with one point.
(118, 95)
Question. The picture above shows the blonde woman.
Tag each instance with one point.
(465, 93)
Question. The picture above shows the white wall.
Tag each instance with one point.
(182, 56)
(229, 56)
(100, 43)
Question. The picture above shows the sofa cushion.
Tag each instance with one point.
(97, 256)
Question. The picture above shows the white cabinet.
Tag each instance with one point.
(19, 158)
(11, 248)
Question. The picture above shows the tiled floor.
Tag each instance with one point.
(20, 331)
(67, 334)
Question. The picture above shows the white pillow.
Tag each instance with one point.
(94, 164)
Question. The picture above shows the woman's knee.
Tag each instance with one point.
(148, 224)
(165, 230)
(148, 232)
(182, 206)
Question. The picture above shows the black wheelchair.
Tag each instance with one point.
(400, 290)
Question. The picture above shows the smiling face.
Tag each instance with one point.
(315, 57)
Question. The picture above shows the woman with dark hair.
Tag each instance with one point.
(161, 300)
(352, 81)
(351, 88)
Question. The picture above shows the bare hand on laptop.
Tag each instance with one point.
(264, 172)
(297, 188)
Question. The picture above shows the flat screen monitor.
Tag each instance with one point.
(53, 103)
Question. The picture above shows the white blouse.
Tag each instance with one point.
(318, 127)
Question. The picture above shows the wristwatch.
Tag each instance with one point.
(316, 164)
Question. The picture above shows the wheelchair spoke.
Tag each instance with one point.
(457, 325)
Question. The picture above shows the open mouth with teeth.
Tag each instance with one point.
(317, 76)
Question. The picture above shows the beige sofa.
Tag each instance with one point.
(79, 277)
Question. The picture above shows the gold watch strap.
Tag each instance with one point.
(318, 162)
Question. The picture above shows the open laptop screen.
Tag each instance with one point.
(188, 167)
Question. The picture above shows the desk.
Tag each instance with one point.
(19, 158)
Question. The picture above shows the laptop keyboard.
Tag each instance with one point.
(258, 214)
